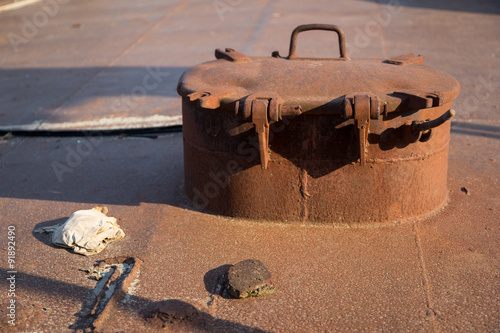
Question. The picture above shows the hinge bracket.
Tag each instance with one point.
(362, 107)
(261, 124)
(263, 109)
(231, 55)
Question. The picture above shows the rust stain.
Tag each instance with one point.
(124, 271)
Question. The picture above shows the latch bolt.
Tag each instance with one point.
(263, 109)
(362, 107)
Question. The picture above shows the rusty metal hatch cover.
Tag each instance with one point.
(373, 109)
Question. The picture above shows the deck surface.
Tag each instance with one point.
(85, 67)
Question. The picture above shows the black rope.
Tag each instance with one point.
(141, 132)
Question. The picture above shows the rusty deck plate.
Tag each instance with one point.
(437, 275)
(440, 273)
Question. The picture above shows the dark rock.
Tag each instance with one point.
(249, 278)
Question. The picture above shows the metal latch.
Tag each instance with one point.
(232, 55)
(406, 59)
(362, 107)
(263, 109)
(422, 130)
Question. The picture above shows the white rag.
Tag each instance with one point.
(87, 232)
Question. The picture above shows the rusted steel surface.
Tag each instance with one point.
(338, 278)
(329, 140)
(119, 274)
(440, 274)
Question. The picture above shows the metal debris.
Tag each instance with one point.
(117, 278)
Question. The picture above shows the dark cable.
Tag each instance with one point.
(109, 132)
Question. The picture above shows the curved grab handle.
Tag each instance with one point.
(423, 126)
(422, 130)
(307, 27)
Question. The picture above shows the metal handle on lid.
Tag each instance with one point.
(430, 124)
(316, 26)
(422, 130)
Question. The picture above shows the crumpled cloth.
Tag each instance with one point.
(86, 232)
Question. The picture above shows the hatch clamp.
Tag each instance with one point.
(262, 109)
(231, 55)
(362, 107)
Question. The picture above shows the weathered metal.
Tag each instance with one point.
(335, 140)
(119, 274)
